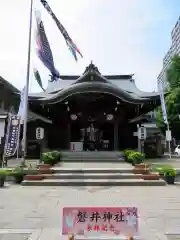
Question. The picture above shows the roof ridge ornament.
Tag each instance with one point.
(91, 69)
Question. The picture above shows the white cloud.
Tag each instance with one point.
(112, 33)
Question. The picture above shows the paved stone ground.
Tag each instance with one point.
(97, 165)
(38, 210)
(14, 236)
(174, 161)
(173, 237)
(121, 164)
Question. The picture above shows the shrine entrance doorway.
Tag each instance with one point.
(94, 135)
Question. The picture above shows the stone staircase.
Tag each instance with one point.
(123, 175)
(91, 169)
(92, 156)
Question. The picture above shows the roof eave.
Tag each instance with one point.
(97, 87)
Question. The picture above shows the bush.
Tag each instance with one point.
(136, 157)
(18, 174)
(160, 168)
(51, 158)
(3, 174)
(169, 172)
(57, 155)
(127, 153)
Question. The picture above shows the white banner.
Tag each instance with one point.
(2, 127)
(21, 111)
(168, 135)
(163, 105)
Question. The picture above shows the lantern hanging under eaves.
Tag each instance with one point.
(73, 117)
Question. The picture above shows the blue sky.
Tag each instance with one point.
(120, 36)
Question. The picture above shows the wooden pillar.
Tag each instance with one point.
(116, 136)
(68, 135)
(139, 141)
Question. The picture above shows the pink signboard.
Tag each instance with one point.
(102, 220)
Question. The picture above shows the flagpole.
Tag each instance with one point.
(24, 147)
(164, 115)
(169, 141)
(6, 137)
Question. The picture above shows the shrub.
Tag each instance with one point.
(51, 158)
(127, 153)
(169, 172)
(3, 173)
(136, 157)
(18, 174)
(160, 168)
(57, 155)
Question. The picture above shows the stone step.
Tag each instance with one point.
(92, 170)
(98, 153)
(91, 159)
(93, 176)
(94, 182)
(91, 156)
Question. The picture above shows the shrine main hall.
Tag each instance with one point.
(87, 112)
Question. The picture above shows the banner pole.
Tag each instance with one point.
(164, 115)
(19, 131)
(169, 142)
(6, 138)
(24, 147)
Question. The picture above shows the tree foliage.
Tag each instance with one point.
(173, 72)
(172, 99)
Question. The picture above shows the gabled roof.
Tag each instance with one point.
(121, 86)
(8, 85)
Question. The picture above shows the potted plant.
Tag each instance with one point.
(136, 158)
(30, 174)
(57, 156)
(18, 174)
(151, 176)
(3, 174)
(170, 174)
(51, 158)
(127, 153)
(33, 175)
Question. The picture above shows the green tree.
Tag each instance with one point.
(172, 99)
(173, 72)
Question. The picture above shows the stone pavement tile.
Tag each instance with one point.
(173, 237)
(41, 207)
(16, 236)
(163, 224)
(145, 232)
(51, 233)
(160, 213)
(24, 223)
(20, 234)
(96, 165)
(35, 234)
(55, 234)
(160, 236)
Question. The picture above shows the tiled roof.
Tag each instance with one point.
(124, 84)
